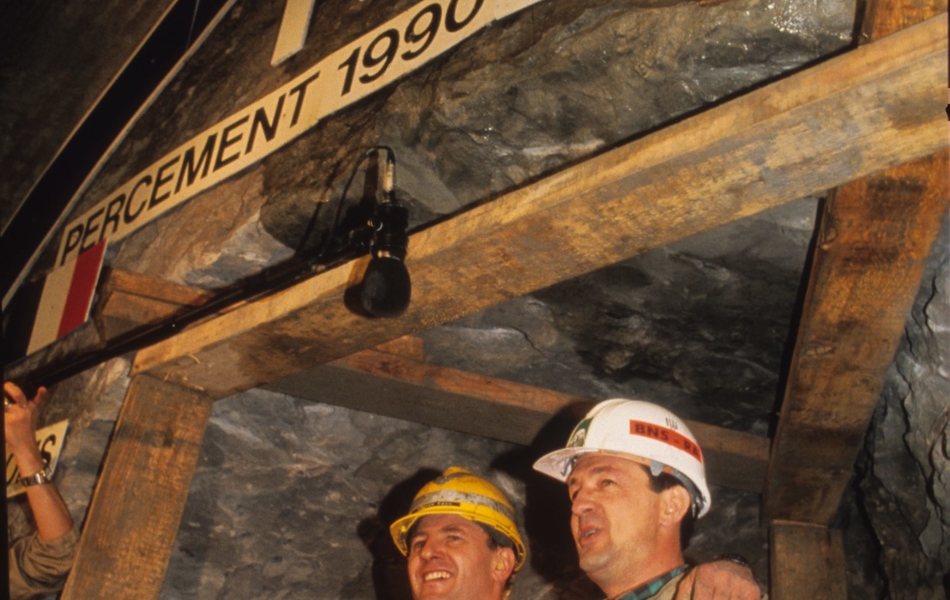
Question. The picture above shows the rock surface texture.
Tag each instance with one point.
(292, 498)
(904, 483)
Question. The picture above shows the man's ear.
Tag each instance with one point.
(675, 502)
(503, 563)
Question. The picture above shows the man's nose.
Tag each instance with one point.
(430, 548)
(581, 502)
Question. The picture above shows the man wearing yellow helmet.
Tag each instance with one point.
(462, 543)
(461, 539)
(635, 475)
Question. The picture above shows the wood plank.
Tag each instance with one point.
(409, 346)
(874, 240)
(843, 119)
(875, 235)
(807, 561)
(140, 495)
(502, 392)
(399, 387)
(884, 17)
(129, 301)
(152, 287)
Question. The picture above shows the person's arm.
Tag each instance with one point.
(52, 517)
(718, 580)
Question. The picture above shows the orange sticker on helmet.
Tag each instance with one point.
(667, 436)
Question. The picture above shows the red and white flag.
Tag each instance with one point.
(55, 306)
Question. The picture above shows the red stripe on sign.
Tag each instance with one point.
(81, 289)
(667, 436)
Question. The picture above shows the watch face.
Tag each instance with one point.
(43, 476)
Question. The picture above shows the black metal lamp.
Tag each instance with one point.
(386, 288)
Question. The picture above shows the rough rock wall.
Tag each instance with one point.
(904, 479)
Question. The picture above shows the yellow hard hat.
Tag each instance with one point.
(459, 492)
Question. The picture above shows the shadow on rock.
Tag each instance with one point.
(389, 565)
(547, 509)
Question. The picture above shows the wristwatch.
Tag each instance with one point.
(736, 558)
(38, 478)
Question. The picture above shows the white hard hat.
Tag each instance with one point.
(640, 431)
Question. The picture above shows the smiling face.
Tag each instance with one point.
(615, 518)
(450, 559)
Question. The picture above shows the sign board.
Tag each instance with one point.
(50, 441)
(371, 62)
(349, 74)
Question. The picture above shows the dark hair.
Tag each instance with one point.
(498, 540)
(665, 481)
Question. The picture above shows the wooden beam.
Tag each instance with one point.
(408, 346)
(399, 387)
(886, 17)
(807, 561)
(140, 495)
(129, 301)
(874, 238)
(843, 119)
(873, 243)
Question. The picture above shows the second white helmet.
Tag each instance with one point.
(643, 432)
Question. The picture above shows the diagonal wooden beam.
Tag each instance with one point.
(846, 118)
(136, 508)
(874, 238)
(403, 388)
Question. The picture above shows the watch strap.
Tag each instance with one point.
(736, 558)
(38, 478)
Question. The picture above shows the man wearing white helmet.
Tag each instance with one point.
(636, 479)
(462, 541)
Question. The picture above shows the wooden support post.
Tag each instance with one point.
(807, 561)
(140, 495)
(874, 240)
